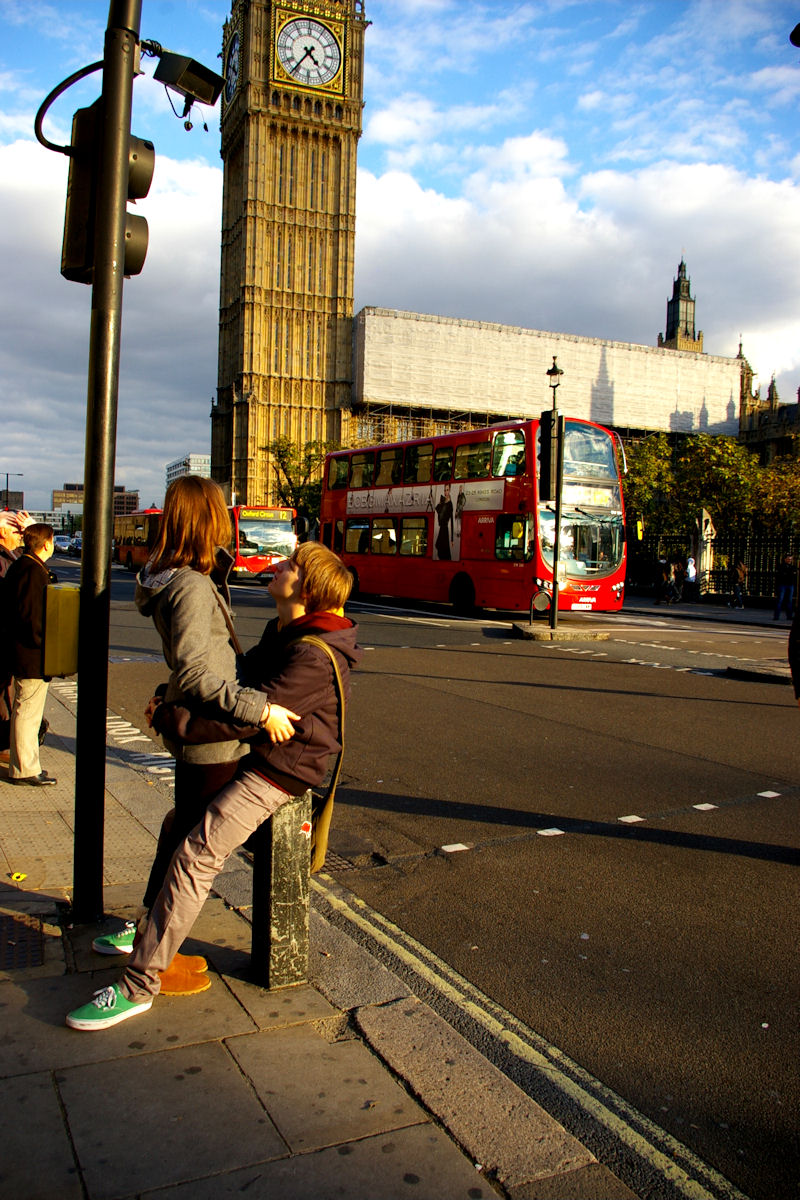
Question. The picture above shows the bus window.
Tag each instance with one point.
(418, 464)
(472, 461)
(338, 537)
(588, 453)
(338, 472)
(356, 537)
(390, 467)
(414, 536)
(508, 453)
(362, 468)
(443, 463)
(384, 536)
(514, 537)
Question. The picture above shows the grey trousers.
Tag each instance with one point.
(229, 820)
(26, 717)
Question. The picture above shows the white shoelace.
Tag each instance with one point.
(105, 998)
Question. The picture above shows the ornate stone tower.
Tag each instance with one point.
(291, 120)
(680, 333)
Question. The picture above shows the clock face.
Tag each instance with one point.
(231, 68)
(309, 52)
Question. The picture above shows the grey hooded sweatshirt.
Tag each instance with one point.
(186, 611)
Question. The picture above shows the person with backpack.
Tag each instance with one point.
(291, 669)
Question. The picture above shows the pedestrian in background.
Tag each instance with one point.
(738, 584)
(11, 527)
(784, 586)
(23, 606)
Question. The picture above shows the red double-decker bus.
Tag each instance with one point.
(458, 518)
(260, 537)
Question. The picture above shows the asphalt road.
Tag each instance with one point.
(628, 813)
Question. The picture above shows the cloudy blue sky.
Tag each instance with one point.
(543, 164)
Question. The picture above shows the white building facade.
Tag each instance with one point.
(190, 464)
(413, 363)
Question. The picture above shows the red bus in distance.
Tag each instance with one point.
(260, 537)
(458, 518)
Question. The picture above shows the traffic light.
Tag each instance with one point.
(548, 455)
(83, 185)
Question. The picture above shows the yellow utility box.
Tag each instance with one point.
(60, 641)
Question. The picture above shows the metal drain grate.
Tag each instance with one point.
(21, 941)
(335, 862)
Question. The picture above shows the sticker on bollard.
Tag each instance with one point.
(306, 828)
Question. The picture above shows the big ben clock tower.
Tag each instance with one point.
(291, 120)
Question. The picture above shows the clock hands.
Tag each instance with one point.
(309, 53)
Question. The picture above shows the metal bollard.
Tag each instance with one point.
(281, 867)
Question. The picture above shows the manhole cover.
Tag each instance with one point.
(21, 941)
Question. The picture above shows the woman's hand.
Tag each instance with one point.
(277, 721)
(152, 705)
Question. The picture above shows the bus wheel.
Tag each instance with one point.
(354, 588)
(129, 563)
(462, 595)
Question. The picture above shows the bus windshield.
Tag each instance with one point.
(259, 536)
(590, 544)
(588, 453)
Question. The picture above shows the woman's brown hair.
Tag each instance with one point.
(195, 522)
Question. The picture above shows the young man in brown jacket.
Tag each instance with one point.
(309, 590)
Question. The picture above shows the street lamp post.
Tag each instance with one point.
(554, 375)
(11, 475)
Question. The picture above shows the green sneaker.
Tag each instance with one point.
(109, 1007)
(120, 942)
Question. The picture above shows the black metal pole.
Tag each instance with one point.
(122, 36)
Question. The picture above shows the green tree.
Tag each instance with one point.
(718, 474)
(298, 470)
(777, 496)
(650, 483)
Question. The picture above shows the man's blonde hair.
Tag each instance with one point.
(326, 580)
(195, 522)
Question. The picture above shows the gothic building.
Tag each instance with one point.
(295, 362)
(680, 334)
(291, 120)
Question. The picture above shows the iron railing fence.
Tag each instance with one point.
(760, 553)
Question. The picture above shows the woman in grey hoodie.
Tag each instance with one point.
(184, 589)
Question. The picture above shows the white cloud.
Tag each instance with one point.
(170, 312)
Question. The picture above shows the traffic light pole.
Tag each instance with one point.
(122, 36)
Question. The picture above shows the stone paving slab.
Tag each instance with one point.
(419, 1163)
(277, 1009)
(35, 1037)
(318, 1093)
(163, 1118)
(493, 1119)
(36, 1162)
(594, 1182)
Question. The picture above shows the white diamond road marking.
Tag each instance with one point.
(769, 795)
(705, 807)
(630, 820)
(454, 847)
(549, 832)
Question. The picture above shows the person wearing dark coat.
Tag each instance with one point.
(309, 590)
(11, 527)
(23, 605)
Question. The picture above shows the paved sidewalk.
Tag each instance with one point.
(349, 1086)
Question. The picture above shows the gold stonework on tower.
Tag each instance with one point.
(291, 120)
